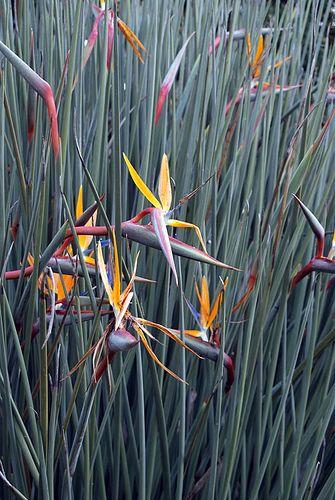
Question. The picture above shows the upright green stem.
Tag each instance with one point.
(117, 142)
(182, 389)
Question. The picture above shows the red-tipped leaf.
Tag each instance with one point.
(42, 88)
(317, 228)
(169, 79)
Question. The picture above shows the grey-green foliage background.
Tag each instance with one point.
(150, 436)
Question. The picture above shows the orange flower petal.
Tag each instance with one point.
(79, 206)
(215, 309)
(257, 62)
(204, 304)
(153, 355)
(117, 276)
(131, 38)
(164, 186)
(104, 277)
(141, 184)
(167, 332)
(178, 223)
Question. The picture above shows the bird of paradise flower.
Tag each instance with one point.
(256, 71)
(116, 337)
(208, 333)
(62, 285)
(161, 213)
(207, 315)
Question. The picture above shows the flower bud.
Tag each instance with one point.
(121, 340)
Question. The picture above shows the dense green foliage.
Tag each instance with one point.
(139, 433)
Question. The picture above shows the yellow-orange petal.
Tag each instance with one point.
(123, 311)
(167, 332)
(30, 260)
(129, 287)
(79, 206)
(257, 62)
(153, 355)
(215, 309)
(141, 184)
(164, 185)
(280, 63)
(104, 277)
(193, 333)
(204, 304)
(89, 260)
(178, 223)
(131, 38)
(117, 275)
(247, 39)
(68, 284)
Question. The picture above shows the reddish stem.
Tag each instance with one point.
(229, 365)
(102, 367)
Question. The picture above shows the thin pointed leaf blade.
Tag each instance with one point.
(317, 228)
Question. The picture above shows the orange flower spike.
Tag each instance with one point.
(60, 284)
(256, 64)
(215, 309)
(204, 303)
(131, 38)
(84, 240)
(164, 185)
(207, 316)
(117, 276)
(119, 302)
